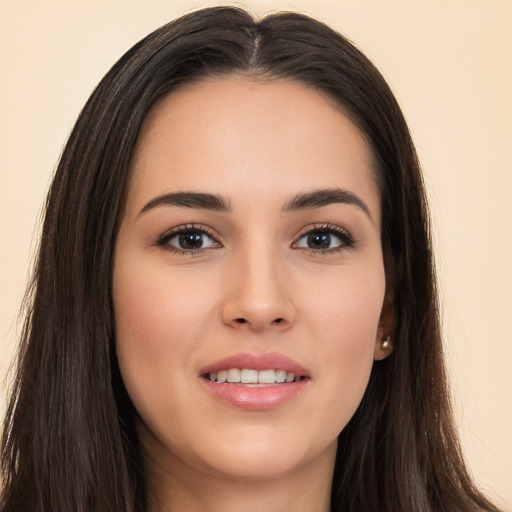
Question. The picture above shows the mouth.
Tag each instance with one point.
(255, 381)
(252, 377)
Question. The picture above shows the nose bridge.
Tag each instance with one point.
(258, 297)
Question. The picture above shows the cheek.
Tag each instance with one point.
(153, 307)
(160, 318)
(348, 319)
(347, 309)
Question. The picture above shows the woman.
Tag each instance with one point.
(236, 231)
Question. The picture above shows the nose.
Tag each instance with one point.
(259, 296)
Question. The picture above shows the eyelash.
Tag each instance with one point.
(346, 239)
(163, 240)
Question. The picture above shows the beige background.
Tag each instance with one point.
(450, 65)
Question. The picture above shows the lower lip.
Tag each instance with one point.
(256, 398)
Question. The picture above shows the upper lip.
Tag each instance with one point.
(266, 361)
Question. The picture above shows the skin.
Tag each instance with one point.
(257, 144)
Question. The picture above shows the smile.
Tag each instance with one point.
(255, 381)
(253, 377)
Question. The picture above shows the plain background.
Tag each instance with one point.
(450, 66)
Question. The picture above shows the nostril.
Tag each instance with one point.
(276, 321)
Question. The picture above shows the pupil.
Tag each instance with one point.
(319, 241)
(191, 240)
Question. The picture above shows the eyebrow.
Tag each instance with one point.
(325, 197)
(189, 200)
(305, 201)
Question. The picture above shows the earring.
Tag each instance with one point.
(386, 343)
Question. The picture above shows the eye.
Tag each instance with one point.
(187, 239)
(326, 238)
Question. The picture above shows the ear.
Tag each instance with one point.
(384, 340)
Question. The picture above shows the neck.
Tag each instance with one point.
(176, 486)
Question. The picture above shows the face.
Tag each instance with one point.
(248, 254)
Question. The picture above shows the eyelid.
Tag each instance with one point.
(345, 237)
(347, 240)
(163, 239)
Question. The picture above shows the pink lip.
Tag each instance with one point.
(266, 361)
(256, 398)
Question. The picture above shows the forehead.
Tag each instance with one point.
(234, 134)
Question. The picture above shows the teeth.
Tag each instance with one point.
(249, 376)
(233, 375)
(267, 377)
(281, 375)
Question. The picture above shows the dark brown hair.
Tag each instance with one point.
(69, 442)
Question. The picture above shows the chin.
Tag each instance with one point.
(263, 455)
(256, 463)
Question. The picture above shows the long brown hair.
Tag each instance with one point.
(68, 439)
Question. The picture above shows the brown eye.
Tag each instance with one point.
(191, 240)
(325, 239)
(187, 239)
(319, 241)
